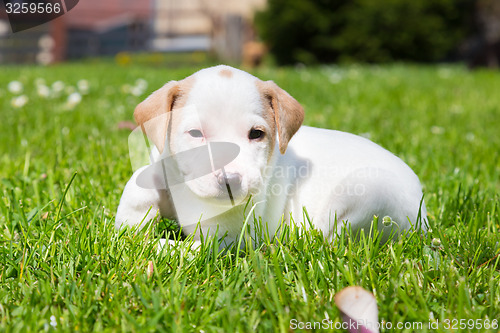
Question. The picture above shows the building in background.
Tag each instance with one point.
(99, 28)
(218, 25)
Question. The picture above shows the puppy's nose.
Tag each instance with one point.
(231, 179)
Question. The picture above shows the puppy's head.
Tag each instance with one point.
(222, 104)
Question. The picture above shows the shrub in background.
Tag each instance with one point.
(325, 31)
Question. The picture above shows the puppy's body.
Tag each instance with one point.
(336, 176)
(355, 180)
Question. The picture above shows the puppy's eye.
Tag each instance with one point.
(255, 134)
(195, 133)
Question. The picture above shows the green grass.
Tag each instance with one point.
(64, 267)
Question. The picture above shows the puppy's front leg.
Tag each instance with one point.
(139, 205)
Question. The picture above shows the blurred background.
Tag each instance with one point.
(250, 32)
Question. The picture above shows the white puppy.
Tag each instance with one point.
(225, 139)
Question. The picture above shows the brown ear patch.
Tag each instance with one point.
(226, 73)
(288, 114)
(171, 95)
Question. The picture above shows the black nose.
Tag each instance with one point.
(231, 179)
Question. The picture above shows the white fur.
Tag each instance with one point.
(334, 175)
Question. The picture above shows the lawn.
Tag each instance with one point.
(64, 163)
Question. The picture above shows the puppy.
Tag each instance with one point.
(226, 147)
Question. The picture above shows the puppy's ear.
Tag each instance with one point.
(151, 114)
(287, 112)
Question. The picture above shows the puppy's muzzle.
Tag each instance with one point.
(233, 180)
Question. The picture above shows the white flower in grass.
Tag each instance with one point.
(141, 83)
(53, 321)
(15, 87)
(83, 86)
(437, 130)
(136, 91)
(470, 137)
(58, 86)
(335, 78)
(19, 101)
(43, 91)
(73, 100)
